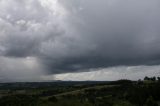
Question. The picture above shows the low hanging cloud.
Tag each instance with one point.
(111, 74)
(78, 35)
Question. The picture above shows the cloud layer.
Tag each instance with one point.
(111, 74)
(78, 35)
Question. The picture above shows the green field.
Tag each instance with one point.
(90, 93)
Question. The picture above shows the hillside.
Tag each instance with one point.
(94, 93)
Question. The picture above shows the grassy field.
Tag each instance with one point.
(116, 93)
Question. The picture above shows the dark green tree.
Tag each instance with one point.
(151, 102)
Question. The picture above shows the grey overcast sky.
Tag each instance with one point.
(79, 39)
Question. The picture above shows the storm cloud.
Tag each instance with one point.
(78, 35)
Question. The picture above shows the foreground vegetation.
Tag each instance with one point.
(117, 93)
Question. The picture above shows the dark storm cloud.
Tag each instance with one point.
(79, 35)
(110, 33)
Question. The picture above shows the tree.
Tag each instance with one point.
(146, 78)
(53, 99)
(158, 79)
(153, 78)
(151, 102)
